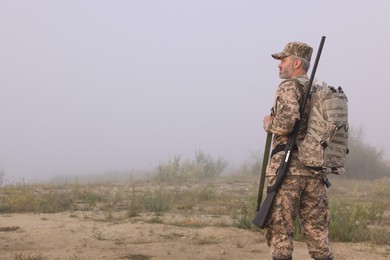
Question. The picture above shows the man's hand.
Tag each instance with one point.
(267, 122)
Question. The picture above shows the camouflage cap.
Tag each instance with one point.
(299, 49)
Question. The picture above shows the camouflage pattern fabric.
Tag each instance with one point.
(306, 197)
(303, 192)
(298, 49)
(327, 124)
(286, 113)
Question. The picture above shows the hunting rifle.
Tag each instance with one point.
(263, 170)
(263, 212)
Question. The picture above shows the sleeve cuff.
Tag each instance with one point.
(267, 127)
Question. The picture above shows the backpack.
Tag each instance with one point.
(324, 147)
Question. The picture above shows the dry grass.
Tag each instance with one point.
(359, 208)
(27, 256)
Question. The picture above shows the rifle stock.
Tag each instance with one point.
(262, 215)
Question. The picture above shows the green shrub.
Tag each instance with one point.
(135, 204)
(207, 193)
(364, 161)
(252, 165)
(350, 220)
(157, 201)
(244, 216)
(203, 166)
(26, 256)
(46, 198)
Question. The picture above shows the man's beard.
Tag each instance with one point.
(286, 73)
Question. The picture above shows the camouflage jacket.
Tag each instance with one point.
(285, 113)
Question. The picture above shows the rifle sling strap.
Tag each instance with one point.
(279, 148)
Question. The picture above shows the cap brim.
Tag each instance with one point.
(279, 55)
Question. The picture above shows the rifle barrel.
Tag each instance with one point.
(263, 170)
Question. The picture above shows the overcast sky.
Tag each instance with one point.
(91, 86)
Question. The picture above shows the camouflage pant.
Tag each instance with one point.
(306, 197)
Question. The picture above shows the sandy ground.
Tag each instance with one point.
(80, 235)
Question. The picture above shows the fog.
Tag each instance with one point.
(93, 86)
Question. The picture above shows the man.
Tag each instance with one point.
(303, 192)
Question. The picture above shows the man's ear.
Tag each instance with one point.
(297, 63)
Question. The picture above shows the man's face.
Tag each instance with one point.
(286, 68)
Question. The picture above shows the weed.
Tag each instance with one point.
(239, 242)
(243, 216)
(99, 235)
(26, 256)
(188, 222)
(206, 240)
(349, 221)
(203, 166)
(158, 201)
(137, 257)
(155, 220)
(135, 204)
(207, 193)
(119, 241)
(243, 221)
(358, 208)
(119, 196)
(186, 201)
(9, 229)
(172, 235)
(364, 160)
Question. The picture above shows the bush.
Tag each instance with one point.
(203, 166)
(364, 161)
(157, 201)
(350, 221)
(252, 165)
(46, 198)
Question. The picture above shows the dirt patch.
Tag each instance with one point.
(79, 235)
